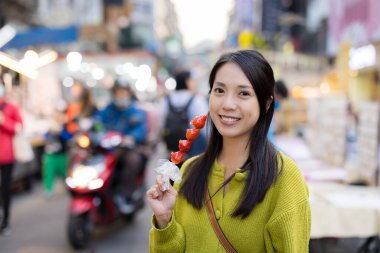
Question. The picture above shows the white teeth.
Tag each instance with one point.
(229, 119)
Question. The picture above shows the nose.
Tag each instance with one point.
(229, 103)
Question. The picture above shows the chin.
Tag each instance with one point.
(229, 134)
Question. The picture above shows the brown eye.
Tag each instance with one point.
(218, 90)
(244, 93)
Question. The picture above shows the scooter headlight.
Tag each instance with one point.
(83, 141)
(85, 177)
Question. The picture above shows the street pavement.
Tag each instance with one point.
(38, 225)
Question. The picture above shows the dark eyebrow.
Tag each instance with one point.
(241, 86)
(220, 83)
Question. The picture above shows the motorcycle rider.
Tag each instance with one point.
(124, 116)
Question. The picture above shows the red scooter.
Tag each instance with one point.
(91, 182)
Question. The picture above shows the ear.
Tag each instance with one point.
(269, 102)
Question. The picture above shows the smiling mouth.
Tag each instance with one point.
(229, 119)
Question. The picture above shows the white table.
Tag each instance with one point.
(337, 209)
(340, 210)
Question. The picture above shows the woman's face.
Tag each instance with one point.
(234, 107)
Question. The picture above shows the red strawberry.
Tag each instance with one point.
(177, 157)
(191, 134)
(184, 145)
(199, 121)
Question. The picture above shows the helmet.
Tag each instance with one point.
(121, 84)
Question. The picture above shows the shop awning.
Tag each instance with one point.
(42, 36)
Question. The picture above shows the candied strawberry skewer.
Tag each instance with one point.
(191, 134)
(184, 145)
(177, 157)
(199, 121)
(168, 169)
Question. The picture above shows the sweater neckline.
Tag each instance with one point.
(219, 170)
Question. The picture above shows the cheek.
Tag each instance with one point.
(213, 108)
(213, 104)
(254, 113)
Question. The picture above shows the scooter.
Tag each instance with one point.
(91, 181)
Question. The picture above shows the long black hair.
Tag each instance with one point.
(262, 164)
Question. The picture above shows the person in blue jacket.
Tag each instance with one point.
(124, 116)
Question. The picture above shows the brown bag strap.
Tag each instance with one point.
(215, 225)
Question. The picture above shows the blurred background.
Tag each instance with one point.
(326, 52)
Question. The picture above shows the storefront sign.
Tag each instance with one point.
(362, 57)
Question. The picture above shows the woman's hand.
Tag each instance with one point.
(161, 201)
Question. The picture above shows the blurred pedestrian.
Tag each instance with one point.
(80, 106)
(183, 100)
(55, 159)
(283, 111)
(10, 120)
(282, 117)
(124, 116)
(66, 123)
(241, 187)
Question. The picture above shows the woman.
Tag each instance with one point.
(10, 118)
(259, 196)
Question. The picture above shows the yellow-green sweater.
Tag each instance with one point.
(280, 223)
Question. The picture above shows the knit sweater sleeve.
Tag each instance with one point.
(172, 238)
(290, 232)
(169, 239)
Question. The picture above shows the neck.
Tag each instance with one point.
(234, 154)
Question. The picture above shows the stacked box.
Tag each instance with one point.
(368, 141)
(312, 132)
(327, 129)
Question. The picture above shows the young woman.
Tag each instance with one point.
(259, 196)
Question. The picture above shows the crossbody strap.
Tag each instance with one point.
(215, 225)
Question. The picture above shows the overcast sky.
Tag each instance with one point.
(201, 20)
